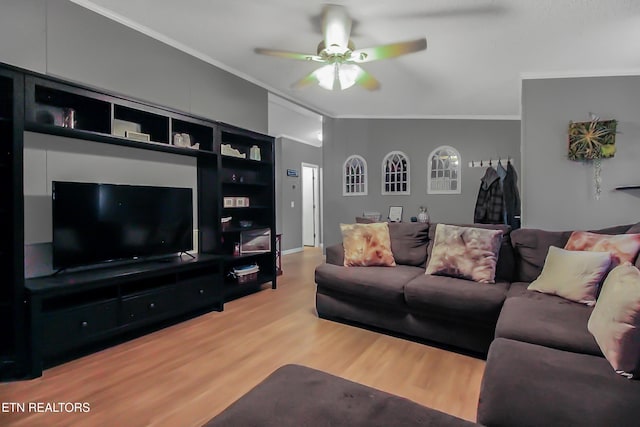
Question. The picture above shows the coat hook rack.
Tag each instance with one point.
(490, 163)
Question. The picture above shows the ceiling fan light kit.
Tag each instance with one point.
(338, 52)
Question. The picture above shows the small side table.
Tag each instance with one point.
(278, 254)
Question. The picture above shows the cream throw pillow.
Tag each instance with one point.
(367, 245)
(572, 275)
(615, 321)
(465, 252)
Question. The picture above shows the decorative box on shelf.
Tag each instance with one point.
(227, 150)
(235, 202)
(242, 202)
(245, 273)
(137, 136)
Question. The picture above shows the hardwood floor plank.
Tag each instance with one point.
(185, 374)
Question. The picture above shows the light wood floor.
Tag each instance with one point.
(186, 374)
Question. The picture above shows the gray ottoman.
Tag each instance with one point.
(295, 395)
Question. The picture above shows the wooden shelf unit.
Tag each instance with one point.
(254, 179)
(111, 305)
(13, 346)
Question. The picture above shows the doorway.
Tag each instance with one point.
(310, 205)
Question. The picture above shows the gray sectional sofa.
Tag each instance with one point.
(543, 366)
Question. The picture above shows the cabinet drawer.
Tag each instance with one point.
(65, 329)
(150, 305)
(199, 292)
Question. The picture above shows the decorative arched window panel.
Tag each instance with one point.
(443, 171)
(395, 174)
(354, 176)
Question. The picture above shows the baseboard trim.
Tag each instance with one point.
(292, 251)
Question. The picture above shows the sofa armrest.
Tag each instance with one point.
(335, 254)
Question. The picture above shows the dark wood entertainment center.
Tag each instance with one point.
(56, 318)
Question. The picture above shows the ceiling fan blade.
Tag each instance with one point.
(307, 80)
(288, 55)
(388, 51)
(336, 26)
(366, 80)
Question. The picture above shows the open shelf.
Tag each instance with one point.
(248, 208)
(115, 140)
(240, 162)
(199, 135)
(238, 229)
(244, 184)
(61, 106)
(128, 119)
(231, 258)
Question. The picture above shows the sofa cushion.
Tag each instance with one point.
(530, 385)
(381, 284)
(615, 321)
(459, 298)
(506, 262)
(547, 320)
(409, 242)
(574, 275)
(367, 245)
(531, 246)
(465, 252)
(335, 254)
(518, 289)
(295, 395)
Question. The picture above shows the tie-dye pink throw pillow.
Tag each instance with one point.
(622, 247)
(465, 252)
(367, 245)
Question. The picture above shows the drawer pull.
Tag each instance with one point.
(201, 291)
(152, 305)
(84, 324)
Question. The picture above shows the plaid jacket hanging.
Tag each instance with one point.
(490, 204)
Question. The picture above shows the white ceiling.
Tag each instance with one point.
(478, 50)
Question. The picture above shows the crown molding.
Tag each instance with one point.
(295, 107)
(300, 140)
(430, 117)
(109, 14)
(578, 74)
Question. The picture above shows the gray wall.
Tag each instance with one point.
(558, 193)
(374, 138)
(63, 39)
(290, 155)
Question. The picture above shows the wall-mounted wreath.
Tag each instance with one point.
(593, 141)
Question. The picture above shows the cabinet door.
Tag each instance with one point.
(139, 308)
(63, 330)
(200, 292)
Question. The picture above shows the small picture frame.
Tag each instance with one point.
(395, 214)
(255, 241)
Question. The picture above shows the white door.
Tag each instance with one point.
(310, 205)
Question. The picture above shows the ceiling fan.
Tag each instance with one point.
(341, 57)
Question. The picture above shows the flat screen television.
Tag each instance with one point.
(94, 223)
